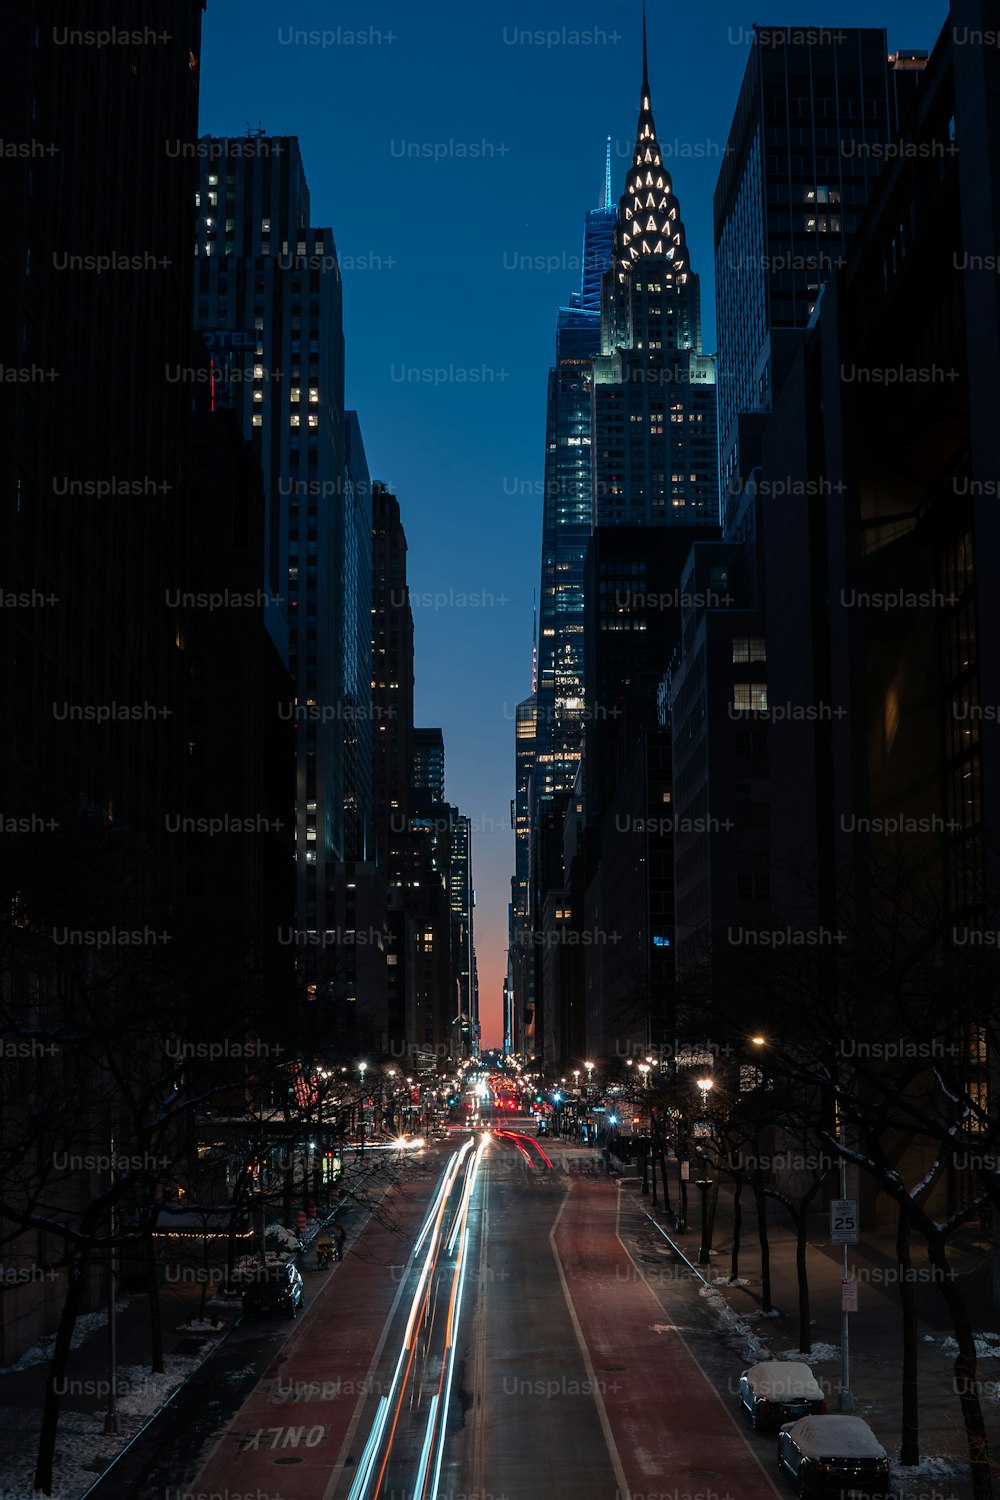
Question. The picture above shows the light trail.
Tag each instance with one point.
(445, 1224)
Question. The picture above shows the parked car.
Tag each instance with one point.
(835, 1455)
(275, 1287)
(779, 1390)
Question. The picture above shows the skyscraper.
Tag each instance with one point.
(566, 526)
(355, 623)
(392, 673)
(816, 109)
(428, 762)
(654, 414)
(269, 279)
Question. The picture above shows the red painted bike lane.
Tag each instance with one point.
(674, 1434)
(285, 1440)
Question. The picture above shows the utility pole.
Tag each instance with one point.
(111, 1417)
(845, 1401)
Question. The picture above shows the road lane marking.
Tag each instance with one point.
(612, 1446)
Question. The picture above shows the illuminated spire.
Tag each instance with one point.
(607, 178)
(649, 221)
(645, 58)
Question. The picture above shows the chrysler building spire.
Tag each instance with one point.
(649, 221)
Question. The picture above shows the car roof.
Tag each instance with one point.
(835, 1436)
(783, 1377)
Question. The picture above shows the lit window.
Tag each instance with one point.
(313, 419)
(313, 393)
(296, 420)
(295, 394)
(258, 420)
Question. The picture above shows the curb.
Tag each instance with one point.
(155, 1415)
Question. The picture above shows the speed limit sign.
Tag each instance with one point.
(844, 1221)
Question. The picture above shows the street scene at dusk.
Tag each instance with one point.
(500, 970)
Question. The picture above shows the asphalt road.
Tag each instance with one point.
(513, 1331)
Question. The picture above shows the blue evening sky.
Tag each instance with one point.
(453, 152)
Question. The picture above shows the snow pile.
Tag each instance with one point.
(987, 1346)
(817, 1354)
(82, 1450)
(733, 1321)
(145, 1392)
(286, 1239)
(201, 1325)
(929, 1467)
(40, 1353)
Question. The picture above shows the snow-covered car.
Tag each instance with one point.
(779, 1390)
(834, 1456)
(273, 1287)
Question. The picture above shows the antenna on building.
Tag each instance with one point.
(534, 642)
(255, 132)
(607, 177)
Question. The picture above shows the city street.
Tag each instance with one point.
(519, 1350)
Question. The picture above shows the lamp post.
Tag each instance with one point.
(362, 1069)
(703, 1181)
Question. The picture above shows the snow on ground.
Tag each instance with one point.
(202, 1325)
(82, 1450)
(907, 1479)
(817, 1354)
(734, 1321)
(38, 1354)
(987, 1346)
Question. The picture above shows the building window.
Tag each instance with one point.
(749, 648)
(750, 697)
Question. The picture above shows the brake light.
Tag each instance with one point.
(822, 1406)
(767, 1407)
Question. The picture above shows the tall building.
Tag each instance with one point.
(355, 617)
(392, 672)
(463, 900)
(631, 442)
(654, 430)
(428, 762)
(816, 110)
(123, 714)
(557, 711)
(269, 281)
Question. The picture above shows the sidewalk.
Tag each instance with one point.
(83, 1452)
(875, 1330)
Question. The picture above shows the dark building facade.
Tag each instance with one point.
(816, 111)
(269, 282)
(428, 762)
(141, 744)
